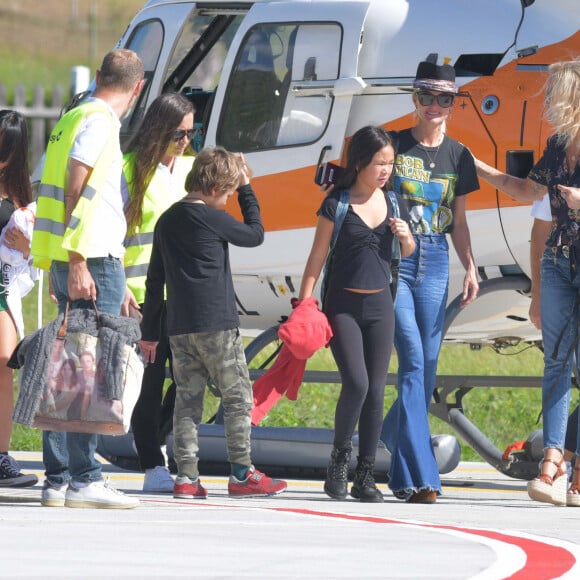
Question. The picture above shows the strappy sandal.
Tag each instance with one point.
(550, 488)
(573, 495)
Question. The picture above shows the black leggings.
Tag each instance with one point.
(363, 327)
(151, 407)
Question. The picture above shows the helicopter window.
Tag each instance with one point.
(260, 110)
(146, 40)
(197, 61)
(315, 57)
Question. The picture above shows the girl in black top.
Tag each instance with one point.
(358, 302)
(15, 192)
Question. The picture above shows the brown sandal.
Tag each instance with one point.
(423, 496)
(550, 488)
(573, 494)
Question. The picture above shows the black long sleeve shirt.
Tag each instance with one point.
(190, 257)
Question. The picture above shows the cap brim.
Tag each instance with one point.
(412, 90)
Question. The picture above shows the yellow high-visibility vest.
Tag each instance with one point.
(52, 239)
(159, 196)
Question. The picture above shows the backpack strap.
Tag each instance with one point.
(396, 248)
(341, 210)
(339, 216)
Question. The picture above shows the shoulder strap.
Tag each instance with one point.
(341, 209)
(396, 247)
(394, 203)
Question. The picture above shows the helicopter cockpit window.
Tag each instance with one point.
(262, 109)
(197, 61)
(146, 40)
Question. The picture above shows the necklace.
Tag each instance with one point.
(434, 158)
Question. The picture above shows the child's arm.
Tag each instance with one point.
(250, 233)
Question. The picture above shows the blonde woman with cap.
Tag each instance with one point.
(434, 174)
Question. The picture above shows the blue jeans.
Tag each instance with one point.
(559, 292)
(72, 455)
(419, 317)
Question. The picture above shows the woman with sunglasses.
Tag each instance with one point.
(15, 192)
(154, 173)
(556, 173)
(433, 173)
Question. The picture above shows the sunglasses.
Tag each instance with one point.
(181, 133)
(444, 100)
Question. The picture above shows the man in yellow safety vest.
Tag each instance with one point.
(78, 236)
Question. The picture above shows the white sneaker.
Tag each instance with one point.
(158, 480)
(98, 494)
(53, 495)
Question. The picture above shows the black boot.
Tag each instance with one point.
(364, 487)
(336, 482)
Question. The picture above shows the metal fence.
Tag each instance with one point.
(41, 116)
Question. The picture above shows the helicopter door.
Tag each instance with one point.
(287, 86)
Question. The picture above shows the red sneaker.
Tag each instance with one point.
(191, 490)
(256, 484)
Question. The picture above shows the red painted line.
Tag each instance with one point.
(543, 561)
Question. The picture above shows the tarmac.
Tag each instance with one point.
(484, 526)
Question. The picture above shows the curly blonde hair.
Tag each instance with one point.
(563, 101)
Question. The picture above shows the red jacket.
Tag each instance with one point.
(306, 330)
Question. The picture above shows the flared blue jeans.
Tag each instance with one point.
(419, 319)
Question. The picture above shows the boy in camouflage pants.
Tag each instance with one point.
(190, 257)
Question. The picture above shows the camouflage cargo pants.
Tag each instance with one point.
(197, 357)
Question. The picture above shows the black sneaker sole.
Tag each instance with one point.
(21, 481)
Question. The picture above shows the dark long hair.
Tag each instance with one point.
(150, 144)
(14, 149)
(361, 150)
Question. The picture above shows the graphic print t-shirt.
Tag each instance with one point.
(430, 191)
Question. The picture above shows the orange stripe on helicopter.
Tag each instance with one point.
(289, 200)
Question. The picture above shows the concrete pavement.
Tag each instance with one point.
(483, 527)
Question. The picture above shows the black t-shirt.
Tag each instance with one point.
(190, 256)
(430, 191)
(362, 256)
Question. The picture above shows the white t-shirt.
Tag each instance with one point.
(541, 209)
(92, 137)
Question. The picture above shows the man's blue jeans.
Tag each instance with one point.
(72, 455)
(558, 297)
(419, 317)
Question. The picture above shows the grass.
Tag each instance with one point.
(41, 41)
(504, 415)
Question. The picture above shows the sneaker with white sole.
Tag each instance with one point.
(53, 494)
(98, 494)
(158, 480)
(256, 484)
(185, 488)
(10, 474)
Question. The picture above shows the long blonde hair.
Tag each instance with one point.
(563, 101)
